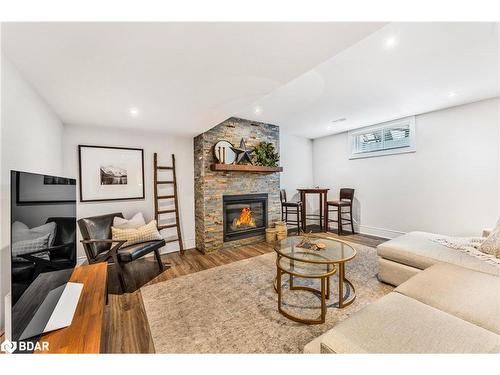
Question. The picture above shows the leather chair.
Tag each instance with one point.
(345, 200)
(294, 208)
(100, 247)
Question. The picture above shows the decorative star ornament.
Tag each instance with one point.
(243, 153)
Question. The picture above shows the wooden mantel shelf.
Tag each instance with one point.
(244, 168)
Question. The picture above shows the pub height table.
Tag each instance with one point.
(322, 193)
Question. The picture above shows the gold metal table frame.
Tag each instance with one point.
(346, 290)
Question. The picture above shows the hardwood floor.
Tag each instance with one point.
(125, 325)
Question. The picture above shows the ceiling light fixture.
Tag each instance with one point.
(257, 110)
(452, 94)
(391, 42)
(134, 112)
(339, 119)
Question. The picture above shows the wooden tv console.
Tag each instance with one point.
(84, 333)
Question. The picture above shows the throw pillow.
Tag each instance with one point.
(491, 244)
(28, 246)
(135, 222)
(147, 232)
(21, 232)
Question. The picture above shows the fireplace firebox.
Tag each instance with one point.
(244, 216)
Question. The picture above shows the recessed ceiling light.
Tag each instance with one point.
(452, 94)
(257, 110)
(339, 119)
(134, 112)
(391, 42)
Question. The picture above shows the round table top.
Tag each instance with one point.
(335, 251)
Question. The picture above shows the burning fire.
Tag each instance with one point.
(245, 218)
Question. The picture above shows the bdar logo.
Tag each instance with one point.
(8, 346)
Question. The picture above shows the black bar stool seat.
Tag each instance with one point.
(338, 203)
(292, 204)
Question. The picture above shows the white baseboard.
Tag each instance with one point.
(174, 246)
(379, 232)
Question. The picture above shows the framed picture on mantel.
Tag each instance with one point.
(110, 173)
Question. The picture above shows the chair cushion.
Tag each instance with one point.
(148, 232)
(470, 295)
(134, 222)
(132, 252)
(415, 249)
(338, 203)
(399, 324)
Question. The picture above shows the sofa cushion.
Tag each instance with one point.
(394, 273)
(415, 249)
(399, 324)
(132, 252)
(470, 295)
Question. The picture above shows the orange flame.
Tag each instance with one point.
(245, 218)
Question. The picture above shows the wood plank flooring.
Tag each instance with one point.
(126, 329)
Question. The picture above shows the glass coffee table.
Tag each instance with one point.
(296, 261)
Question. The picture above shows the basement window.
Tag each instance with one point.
(393, 137)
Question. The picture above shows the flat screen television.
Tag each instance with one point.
(43, 253)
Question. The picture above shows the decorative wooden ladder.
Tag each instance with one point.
(158, 198)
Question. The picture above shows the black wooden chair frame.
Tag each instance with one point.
(293, 208)
(346, 195)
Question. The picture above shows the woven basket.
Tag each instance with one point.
(271, 235)
(282, 231)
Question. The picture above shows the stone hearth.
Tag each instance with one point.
(211, 186)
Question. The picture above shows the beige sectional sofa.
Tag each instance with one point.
(405, 256)
(444, 309)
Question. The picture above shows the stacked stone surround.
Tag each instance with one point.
(210, 185)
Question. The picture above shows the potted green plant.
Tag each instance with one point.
(266, 155)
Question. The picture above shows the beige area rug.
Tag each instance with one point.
(233, 308)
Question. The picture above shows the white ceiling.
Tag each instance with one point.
(428, 66)
(182, 78)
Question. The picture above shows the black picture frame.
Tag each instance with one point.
(112, 148)
(22, 202)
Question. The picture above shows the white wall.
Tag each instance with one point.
(151, 142)
(296, 160)
(449, 186)
(31, 141)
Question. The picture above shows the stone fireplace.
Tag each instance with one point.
(224, 197)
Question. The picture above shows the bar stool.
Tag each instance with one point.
(346, 198)
(294, 207)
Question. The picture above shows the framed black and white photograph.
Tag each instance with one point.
(110, 173)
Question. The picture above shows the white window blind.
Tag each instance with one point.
(383, 139)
